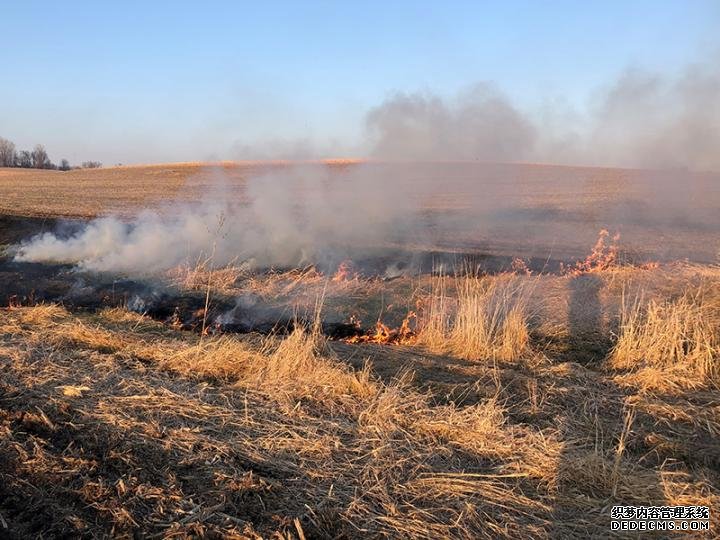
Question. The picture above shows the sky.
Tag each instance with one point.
(137, 82)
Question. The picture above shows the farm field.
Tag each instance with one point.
(517, 210)
(338, 271)
(550, 350)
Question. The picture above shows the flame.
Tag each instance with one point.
(604, 255)
(404, 335)
(345, 272)
(519, 266)
(174, 320)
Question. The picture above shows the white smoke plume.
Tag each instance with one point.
(301, 215)
(313, 215)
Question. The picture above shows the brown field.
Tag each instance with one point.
(537, 210)
(296, 403)
(83, 193)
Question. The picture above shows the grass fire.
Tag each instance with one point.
(401, 271)
(364, 388)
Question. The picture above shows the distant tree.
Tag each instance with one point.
(40, 158)
(24, 160)
(7, 153)
(36, 159)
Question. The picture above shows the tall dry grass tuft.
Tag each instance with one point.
(486, 319)
(220, 357)
(196, 278)
(679, 336)
(303, 365)
(299, 365)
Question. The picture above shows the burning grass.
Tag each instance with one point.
(603, 256)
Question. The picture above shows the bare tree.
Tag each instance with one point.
(40, 158)
(24, 160)
(37, 159)
(7, 153)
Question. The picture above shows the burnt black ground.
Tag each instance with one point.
(25, 283)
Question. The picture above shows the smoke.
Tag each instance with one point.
(479, 124)
(646, 120)
(150, 242)
(643, 120)
(278, 149)
(312, 214)
(293, 216)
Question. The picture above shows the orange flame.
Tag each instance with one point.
(345, 272)
(603, 256)
(403, 335)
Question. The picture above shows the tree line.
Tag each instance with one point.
(37, 158)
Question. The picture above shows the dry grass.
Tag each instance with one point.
(302, 365)
(112, 424)
(349, 454)
(75, 333)
(90, 192)
(202, 275)
(670, 342)
(487, 319)
(44, 314)
(222, 358)
(121, 318)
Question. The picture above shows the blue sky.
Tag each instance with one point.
(169, 81)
